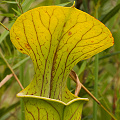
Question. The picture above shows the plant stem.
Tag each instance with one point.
(19, 6)
(11, 69)
(5, 80)
(21, 75)
(97, 101)
(96, 74)
(95, 87)
(4, 26)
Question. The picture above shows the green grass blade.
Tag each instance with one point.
(16, 11)
(95, 87)
(82, 68)
(20, 63)
(111, 14)
(26, 5)
(5, 33)
(21, 75)
(2, 10)
(85, 5)
(7, 15)
(109, 55)
(64, 4)
(96, 76)
(10, 2)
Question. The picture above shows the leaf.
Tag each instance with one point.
(10, 2)
(85, 4)
(111, 14)
(26, 4)
(7, 15)
(16, 11)
(2, 10)
(51, 109)
(64, 4)
(20, 62)
(48, 2)
(5, 33)
(57, 38)
(82, 68)
(110, 55)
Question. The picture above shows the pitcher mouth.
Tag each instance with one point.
(50, 99)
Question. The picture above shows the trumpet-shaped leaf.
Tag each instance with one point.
(57, 38)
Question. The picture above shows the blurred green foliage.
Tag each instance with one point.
(109, 60)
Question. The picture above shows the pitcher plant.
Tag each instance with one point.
(56, 38)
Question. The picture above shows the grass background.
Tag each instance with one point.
(108, 85)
